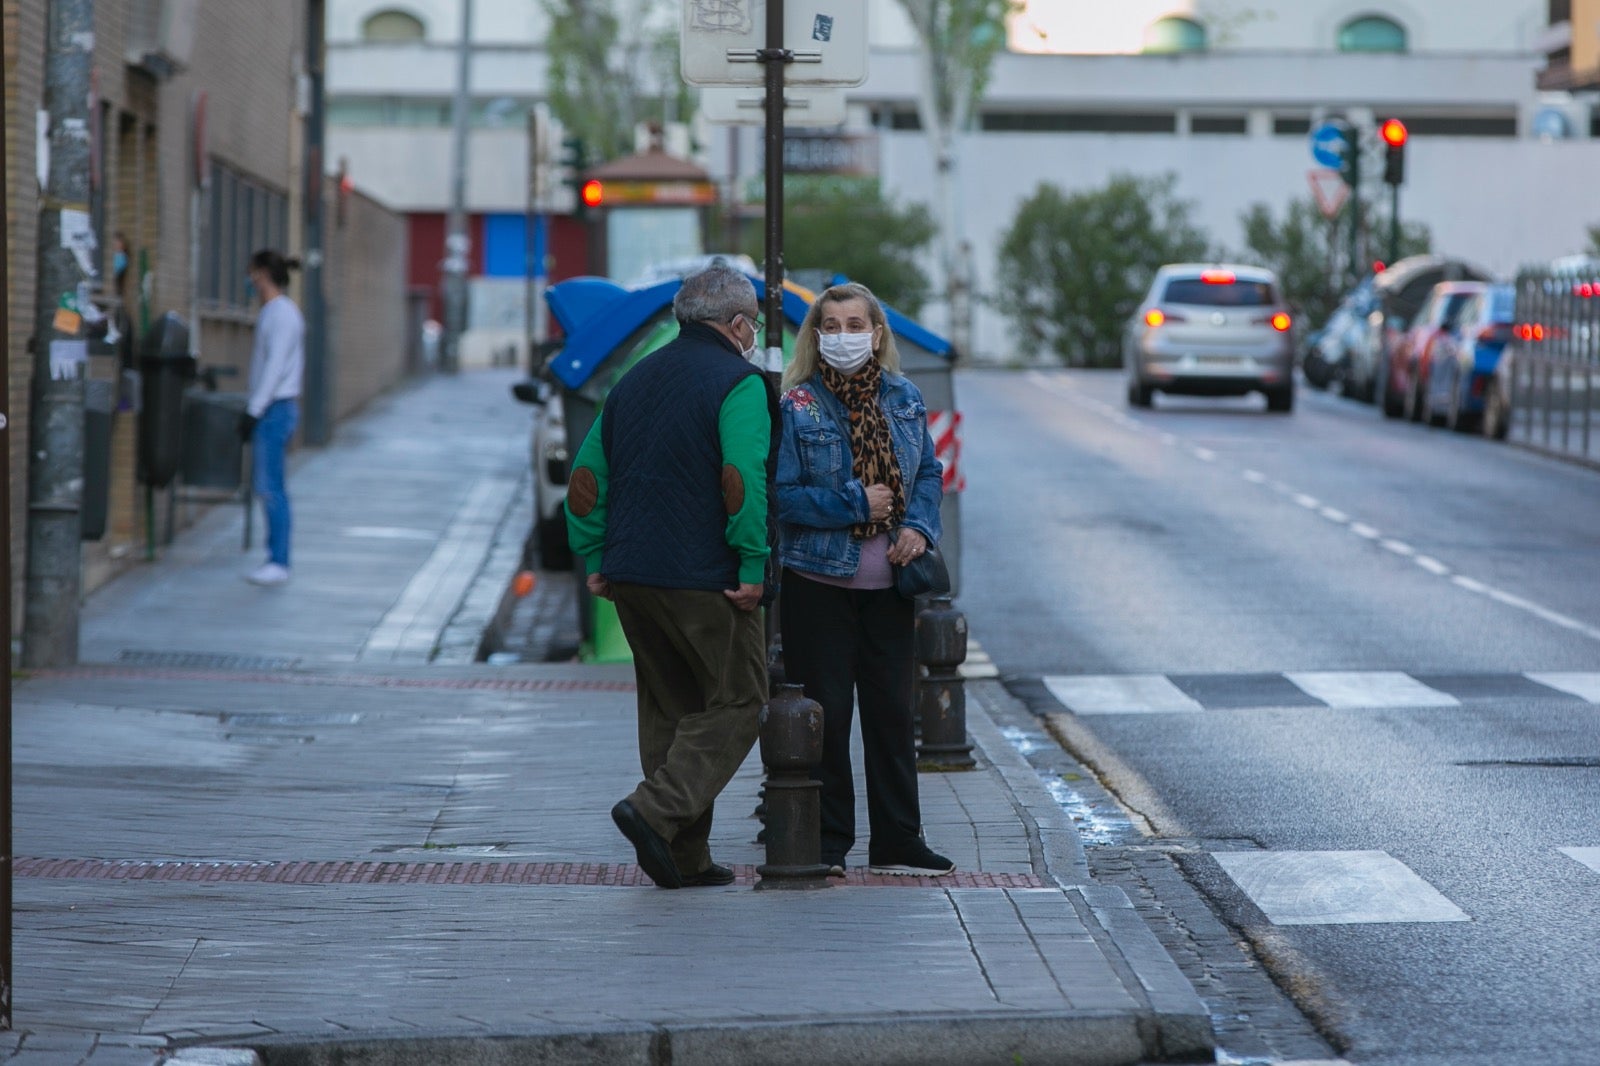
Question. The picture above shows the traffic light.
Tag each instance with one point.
(571, 163)
(1394, 135)
(1350, 163)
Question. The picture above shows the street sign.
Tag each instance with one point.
(1330, 190)
(1328, 145)
(737, 106)
(721, 39)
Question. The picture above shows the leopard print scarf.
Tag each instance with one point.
(870, 444)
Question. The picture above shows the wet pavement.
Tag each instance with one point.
(302, 823)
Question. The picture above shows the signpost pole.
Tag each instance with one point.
(775, 56)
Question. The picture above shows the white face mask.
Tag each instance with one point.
(845, 352)
(755, 339)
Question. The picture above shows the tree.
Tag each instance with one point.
(1305, 250)
(846, 226)
(1594, 240)
(960, 39)
(613, 65)
(1073, 267)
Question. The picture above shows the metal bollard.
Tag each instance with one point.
(942, 695)
(791, 744)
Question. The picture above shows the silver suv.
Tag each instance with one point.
(1207, 329)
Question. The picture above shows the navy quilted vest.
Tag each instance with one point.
(666, 525)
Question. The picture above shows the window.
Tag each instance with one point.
(245, 216)
(1079, 122)
(1199, 124)
(1374, 33)
(1197, 292)
(392, 27)
(1174, 34)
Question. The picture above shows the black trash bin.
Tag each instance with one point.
(167, 368)
(99, 399)
(213, 453)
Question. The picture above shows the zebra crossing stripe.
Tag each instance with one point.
(1335, 887)
(1590, 857)
(1370, 689)
(1120, 694)
(1583, 686)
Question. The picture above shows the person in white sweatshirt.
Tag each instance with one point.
(277, 367)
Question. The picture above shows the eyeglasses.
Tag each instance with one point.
(758, 323)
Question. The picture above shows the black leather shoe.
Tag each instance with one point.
(655, 857)
(710, 877)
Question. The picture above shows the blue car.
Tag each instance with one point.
(1464, 359)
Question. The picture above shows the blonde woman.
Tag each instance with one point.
(858, 491)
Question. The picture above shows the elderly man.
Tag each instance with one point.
(667, 504)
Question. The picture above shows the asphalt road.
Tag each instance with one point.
(1299, 648)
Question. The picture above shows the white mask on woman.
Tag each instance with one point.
(845, 352)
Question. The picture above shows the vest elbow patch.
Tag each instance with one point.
(732, 489)
(583, 492)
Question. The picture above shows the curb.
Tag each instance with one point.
(1086, 1038)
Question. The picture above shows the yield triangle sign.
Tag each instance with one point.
(1329, 189)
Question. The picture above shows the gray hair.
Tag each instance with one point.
(715, 294)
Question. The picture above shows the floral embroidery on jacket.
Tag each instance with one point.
(799, 398)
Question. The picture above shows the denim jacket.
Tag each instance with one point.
(818, 496)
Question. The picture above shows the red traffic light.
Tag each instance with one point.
(1393, 132)
(594, 193)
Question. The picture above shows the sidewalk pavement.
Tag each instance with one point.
(302, 824)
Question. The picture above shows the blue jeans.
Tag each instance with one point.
(270, 445)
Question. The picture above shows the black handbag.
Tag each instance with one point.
(926, 575)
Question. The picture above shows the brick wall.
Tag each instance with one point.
(365, 284)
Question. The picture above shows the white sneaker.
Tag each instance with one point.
(268, 574)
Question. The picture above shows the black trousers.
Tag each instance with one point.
(844, 644)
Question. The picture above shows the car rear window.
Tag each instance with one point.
(1194, 291)
(1453, 304)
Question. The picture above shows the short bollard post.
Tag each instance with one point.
(941, 694)
(791, 744)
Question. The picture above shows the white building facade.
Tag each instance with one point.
(1222, 94)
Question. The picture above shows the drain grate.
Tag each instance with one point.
(1560, 762)
(597, 874)
(204, 660)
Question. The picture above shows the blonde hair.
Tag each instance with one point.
(806, 355)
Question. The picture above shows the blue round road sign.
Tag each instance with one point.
(1328, 145)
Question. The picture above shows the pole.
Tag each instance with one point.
(66, 248)
(775, 56)
(317, 379)
(1357, 267)
(457, 242)
(1394, 224)
(5, 605)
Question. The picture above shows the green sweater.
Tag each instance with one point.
(745, 427)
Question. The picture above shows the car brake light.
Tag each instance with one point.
(1495, 333)
(1218, 277)
(1281, 322)
(1154, 317)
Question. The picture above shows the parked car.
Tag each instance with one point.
(1456, 382)
(1328, 350)
(1409, 360)
(1398, 294)
(1211, 330)
(549, 459)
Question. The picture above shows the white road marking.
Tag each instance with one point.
(1399, 547)
(1254, 476)
(1205, 454)
(1310, 503)
(1120, 694)
(1590, 857)
(389, 533)
(1583, 686)
(1333, 514)
(1469, 584)
(1432, 565)
(1361, 529)
(1336, 887)
(1370, 689)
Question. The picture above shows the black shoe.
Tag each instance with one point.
(655, 857)
(711, 877)
(922, 862)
